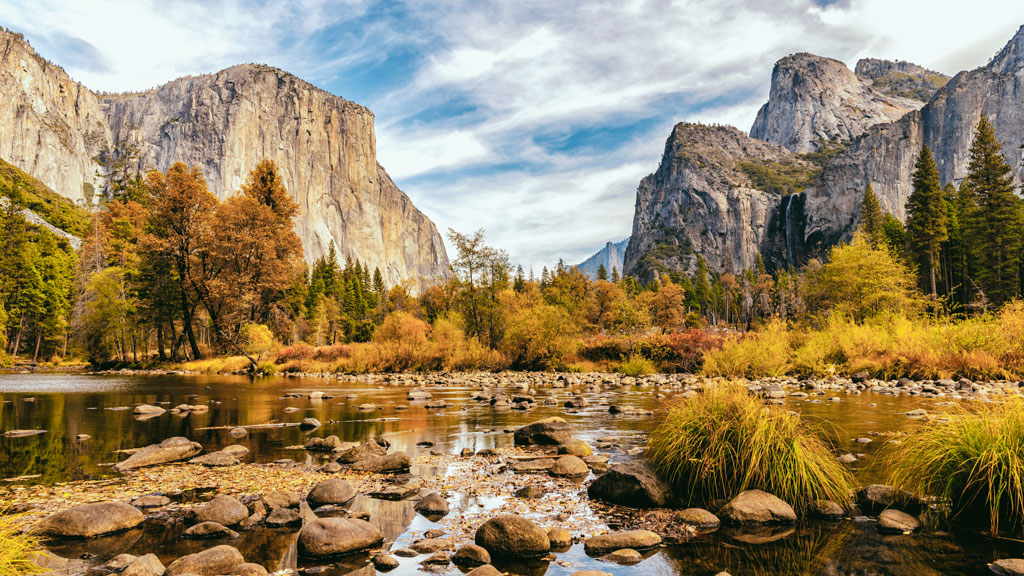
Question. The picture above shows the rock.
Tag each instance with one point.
(826, 510)
(170, 450)
(22, 433)
(238, 432)
(281, 499)
(485, 570)
(146, 409)
(82, 437)
(700, 519)
(532, 465)
(576, 447)
(283, 517)
(471, 555)
(120, 562)
(569, 466)
(895, 521)
(757, 507)
(395, 462)
(309, 424)
(438, 559)
(335, 536)
(210, 530)
(636, 539)
(624, 556)
(331, 468)
(224, 510)
(432, 505)
(860, 377)
(151, 501)
(215, 460)
(560, 538)
(874, 498)
(88, 520)
(508, 535)
(249, 569)
(630, 484)
(419, 394)
(333, 491)
(430, 545)
(548, 431)
(406, 553)
(364, 451)
(531, 491)
(316, 395)
(235, 450)
(147, 565)
(212, 562)
(848, 458)
(590, 573)
(1008, 567)
(384, 562)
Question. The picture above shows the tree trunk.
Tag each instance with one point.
(160, 340)
(39, 339)
(17, 337)
(186, 321)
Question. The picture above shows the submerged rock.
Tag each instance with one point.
(549, 431)
(210, 530)
(1008, 567)
(170, 450)
(894, 521)
(636, 539)
(88, 520)
(224, 510)
(471, 555)
(509, 535)
(432, 505)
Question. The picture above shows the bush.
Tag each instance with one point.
(636, 365)
(17, 548)
(724, 441)
(297, 351)
(973, 458)
(754, 355)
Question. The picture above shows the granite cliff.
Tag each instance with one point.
(225, 123)
(611, 257)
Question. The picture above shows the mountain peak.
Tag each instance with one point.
(1010, 60)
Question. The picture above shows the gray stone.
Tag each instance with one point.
(222, 509)
(88, 520)
(508, 535)
(895, 521)
(170, 450)
(630, 484)
(336, 536)
(209, 529)
(548, 431)
(395, 462)
(757, 507)
(211, 562)
(333, 491)
(471, 555)
(636, 539)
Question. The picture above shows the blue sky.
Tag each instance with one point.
(534, 120)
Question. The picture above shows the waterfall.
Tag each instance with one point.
(789, 235)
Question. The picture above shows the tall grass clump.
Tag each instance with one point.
(636, 365)
(17, 549)
(724, 441)
(972, 457)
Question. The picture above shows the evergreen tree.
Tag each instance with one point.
(871, 217)
(927, 215)
(519, 284)
(893, 235)
(602, 272)
(615, 275)
(994, 218)
(701, 287)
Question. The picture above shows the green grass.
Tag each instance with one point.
(725, 441)
(17, 548)
(636, 365)
(971, 457)
(37, 197)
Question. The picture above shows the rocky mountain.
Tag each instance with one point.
(815, 100)
(901, 79)
(611, 257)
(731, 198)
(225, 123)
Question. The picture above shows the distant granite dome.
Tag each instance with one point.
(901, 79)
(225, 123)
(611, 256)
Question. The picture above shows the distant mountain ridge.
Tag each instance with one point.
(611, 256)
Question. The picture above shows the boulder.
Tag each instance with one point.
(560, 538)
(874, 498)
(88, 520)
(224, 510)
(309, 424)
(485, 570)
(508, 535)
(471, 555)
(384, 562)
(283, 517)
(1008, 567)
(211, 562)
(569, 466)
(335, 536)
(576, 447)
(215, 460)
(700, 519)
(210, 530)
(826, 510)
(147, 409)
(235, 450)
(249, 569)
(419, 394)
(624, 556)
(333, 491)
(531, 491)
(630, 484)
(170, 450)
(895, 521)
(547, 431)
(636, 539)
(432, 505)
(430, 545)
(757, 507)
(281, 499)
(364, 451)
(396, 462)
(151, 501)
(148, 565)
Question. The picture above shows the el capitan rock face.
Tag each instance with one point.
(225, 123)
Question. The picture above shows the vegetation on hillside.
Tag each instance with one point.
(30, 193)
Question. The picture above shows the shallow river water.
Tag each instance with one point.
(67, 405)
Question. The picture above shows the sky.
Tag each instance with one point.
(534, 120)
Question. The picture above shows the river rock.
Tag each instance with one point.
(508, 535)
(569, 466)
(147, 409)
(283, 517)
(384, 562)
(432, 505)
(224, 510)
(548, 431)
(895, 521)
(88, 520)
(419, 394)
(151, 501)
(624, 556)
(1008, 567)
(531, 491)
(215, 460)
(485, 570)
(395, 462)
(630, 484)
(576, 447)
(170, 450)
(826, 510)
(636, 539)
(211, 562)
(281, 499)
(238, 432)
(335, 536)
(874, 498)
(309, 424)
(249, 569)
(430, 545)
(147, 565)
(560, 538)
(757, 507)
(364, 451)
(210, 530)
(120, 562)
(22, 433)
(700, 519)
(333, 491)
(471, 555)
(235, 450)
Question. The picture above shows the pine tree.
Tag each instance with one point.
(871, 217)
(994, 218)
(615, 275)
(520, 281)
(602, 272)
(893, 235)
(926, 218)
(701, 287)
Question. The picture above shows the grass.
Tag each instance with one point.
(17, 548)
(973, 458)
(636, 365)
(49, 205)
(724, 441)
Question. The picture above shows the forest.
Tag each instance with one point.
(167, 273)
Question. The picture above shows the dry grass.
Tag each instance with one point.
(17, 548)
